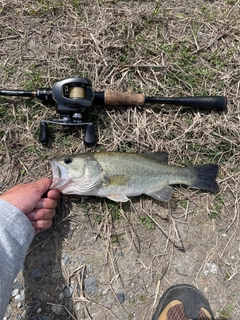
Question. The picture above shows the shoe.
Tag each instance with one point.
(183, 302)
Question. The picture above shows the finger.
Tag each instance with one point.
(46, 203)
(42, 224)
(41, 214)
(53, 194)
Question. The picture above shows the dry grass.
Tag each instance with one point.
(169, 48)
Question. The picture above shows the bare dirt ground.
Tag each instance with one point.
(104, 260)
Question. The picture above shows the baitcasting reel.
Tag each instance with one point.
(71, 96)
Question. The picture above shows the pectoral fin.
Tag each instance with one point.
(164, 194)
(118, 198)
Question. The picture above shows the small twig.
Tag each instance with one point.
(9, 37)
(121, 306)
(98, 49)
(142, 66)
(166, 235)
(156, 295)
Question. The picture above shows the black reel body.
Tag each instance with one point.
(71, 96)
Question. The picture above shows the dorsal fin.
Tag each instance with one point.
(159, 156)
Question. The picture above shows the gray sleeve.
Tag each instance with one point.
(16, 234)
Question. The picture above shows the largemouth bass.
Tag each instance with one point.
(117, 175)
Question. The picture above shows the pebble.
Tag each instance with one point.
(121, 297)
(36, 274)
(90, 268)
(44, 318)
(58, 310)
(56, 272)
(18, 298)
(35, 303)
(61, 296)
(39, 310)
(67, 292)
(15, 292)
(66, 259)
(22, 292)
(105, 291)
(82, 258)
(210, 267)
(78, 306)
(70, 290)
(90, 285)
(17, 285)
(23, 315)
(72, 226)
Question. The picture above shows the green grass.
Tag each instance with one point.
(5, 110)
(33, 79)
(183, 204)
(217, 206)
(10, 70)
(43, 7)
(116, 239)
(147, 222)
(226, 312)
(98, 218)
(114, 211)
(113, 208)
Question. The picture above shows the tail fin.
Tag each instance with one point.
(204, 177)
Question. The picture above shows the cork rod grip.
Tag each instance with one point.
(124, 99)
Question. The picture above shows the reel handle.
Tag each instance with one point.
(89, 137)
(43, 137)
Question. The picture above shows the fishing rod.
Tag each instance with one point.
(72, 96)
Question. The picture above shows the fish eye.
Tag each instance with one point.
(68, 160)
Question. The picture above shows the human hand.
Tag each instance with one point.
(28, 198)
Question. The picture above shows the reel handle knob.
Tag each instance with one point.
(43, 137)
(89, 137)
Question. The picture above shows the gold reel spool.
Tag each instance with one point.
(77, 92)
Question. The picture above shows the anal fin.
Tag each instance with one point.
(163, 194)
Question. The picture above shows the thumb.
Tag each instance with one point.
(42, 185)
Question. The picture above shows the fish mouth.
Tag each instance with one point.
(59, 176)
